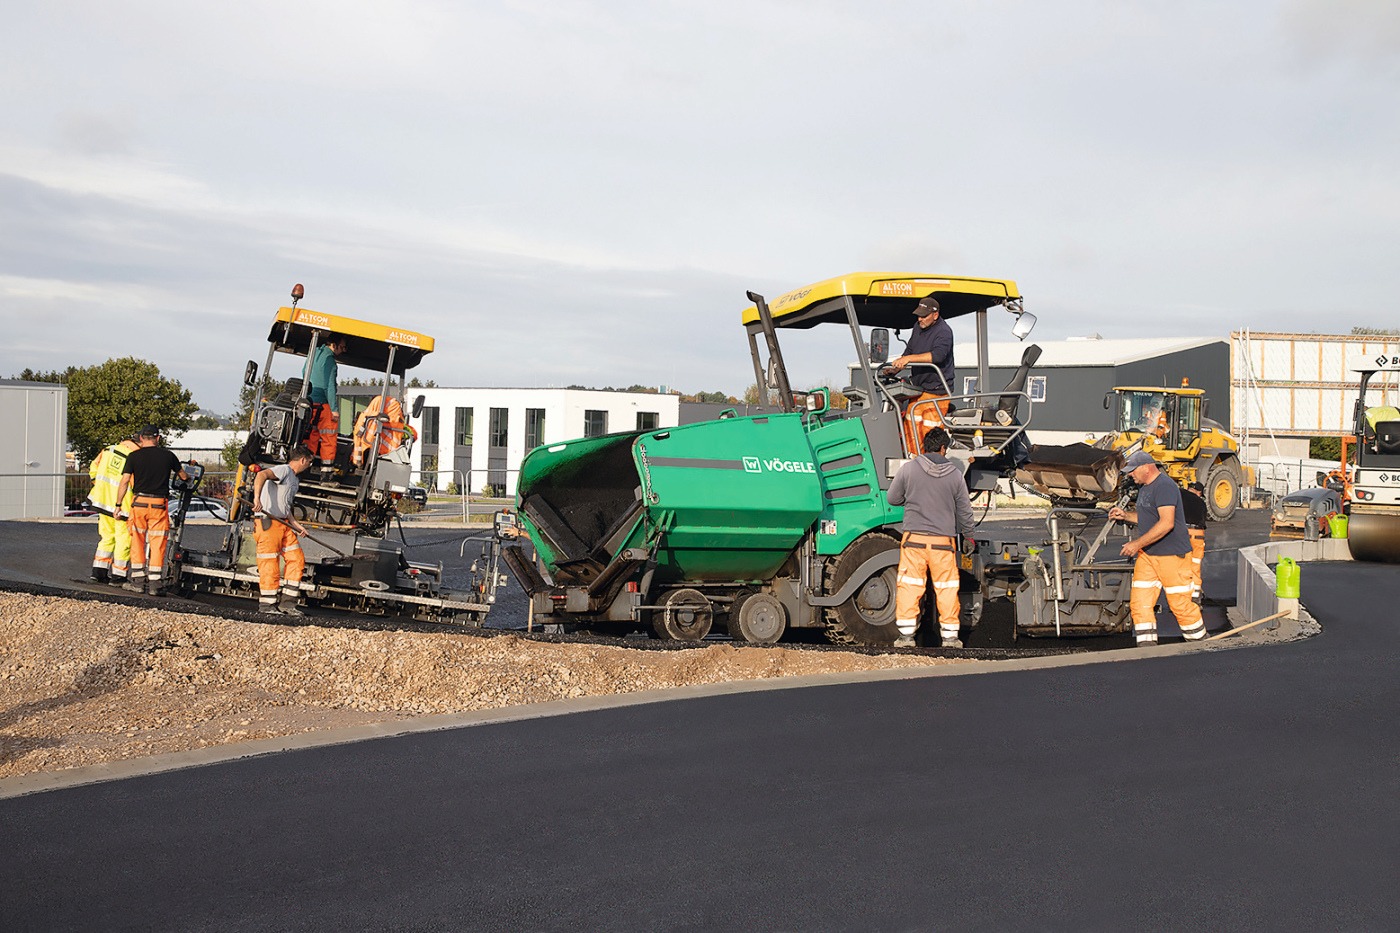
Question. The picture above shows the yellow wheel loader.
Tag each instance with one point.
(1171, 425)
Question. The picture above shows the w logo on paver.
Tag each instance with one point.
(751, 465)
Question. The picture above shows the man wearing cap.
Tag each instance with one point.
(1161, 548)
(147, 473)
(1193, 505)
(936, 511)
(931, 342)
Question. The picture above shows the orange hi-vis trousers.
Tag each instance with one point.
(1169, 574)
(149, 525)
(324, 429)
(1198, 553)
(280, 560)
(924, 556)
(923, 415)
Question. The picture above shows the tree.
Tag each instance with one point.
(115, 399)
(30, 375)
(1375, 332)
(206, 423)
(1325, 448)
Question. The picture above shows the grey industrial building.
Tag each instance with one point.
(1071, 378)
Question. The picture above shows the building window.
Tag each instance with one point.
(534, 428)
(595, 423)
(500, 426)
(428, 477)
(1036, 388)
(969, 385)
(462, 428)
(430, 425)
(646, 420)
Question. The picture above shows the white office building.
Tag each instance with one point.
(478, 437)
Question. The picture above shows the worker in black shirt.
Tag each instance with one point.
(147, 472)
(931, 342)
(1193, 509)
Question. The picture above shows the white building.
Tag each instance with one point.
(203, 444)
(34, 416)
(479, 436)
(1291, 387)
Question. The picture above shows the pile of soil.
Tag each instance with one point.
(84, 682)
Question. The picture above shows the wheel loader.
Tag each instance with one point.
(1170, 423)
(778, 520)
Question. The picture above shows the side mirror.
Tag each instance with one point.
(418, 406)
(250, 374)
(1025, 323)
(879, 345)
(1107, 401)
(1321, 478)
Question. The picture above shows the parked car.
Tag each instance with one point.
(201, 507)
(79, 510)
(418, 494)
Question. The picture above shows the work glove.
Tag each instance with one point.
(969, 545)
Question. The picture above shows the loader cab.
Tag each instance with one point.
(371, 467)
(1172, 418)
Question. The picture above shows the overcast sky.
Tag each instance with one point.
(581, 192)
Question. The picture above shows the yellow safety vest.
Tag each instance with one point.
(106, 473)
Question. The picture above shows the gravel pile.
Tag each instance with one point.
(84, 682)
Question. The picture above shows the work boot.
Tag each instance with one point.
(155, 589)
(288, 607)
(101, 575)
(133, 587)
(904, 641)
(952, 643)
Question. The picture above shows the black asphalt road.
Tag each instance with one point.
(1242, 789)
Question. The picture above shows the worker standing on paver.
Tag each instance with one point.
(1161, 549)
(1193, 505)
(275, 529)
(936, 510)
(147, 474)
(109, 563)
(325, 414)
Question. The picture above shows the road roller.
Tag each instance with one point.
(1373, 526)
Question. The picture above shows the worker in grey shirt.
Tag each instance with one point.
(936, 510)
(276, 530)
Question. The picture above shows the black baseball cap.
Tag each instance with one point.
(150, 430)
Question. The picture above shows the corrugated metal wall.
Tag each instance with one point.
(1301, 385)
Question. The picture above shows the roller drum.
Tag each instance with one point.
(1374, 536)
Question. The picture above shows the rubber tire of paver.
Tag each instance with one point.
(867, 618)
(686, 615)
(757, 619)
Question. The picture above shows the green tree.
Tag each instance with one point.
(1325, 448)
(206, 423)
(229, 455)
(114, 399)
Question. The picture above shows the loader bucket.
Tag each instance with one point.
(1072, 471)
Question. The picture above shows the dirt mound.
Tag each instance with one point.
(83, 682)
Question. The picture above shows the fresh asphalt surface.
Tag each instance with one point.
(1239, 789)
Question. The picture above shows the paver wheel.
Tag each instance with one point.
(1222, 492)
(758, 619)
(867, 617)
(685, 615)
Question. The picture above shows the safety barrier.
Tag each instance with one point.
(1256, 583)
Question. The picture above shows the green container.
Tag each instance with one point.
(1290, 579)
(1337, 526)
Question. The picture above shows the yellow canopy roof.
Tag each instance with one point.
(367, 343)
(883, 299)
